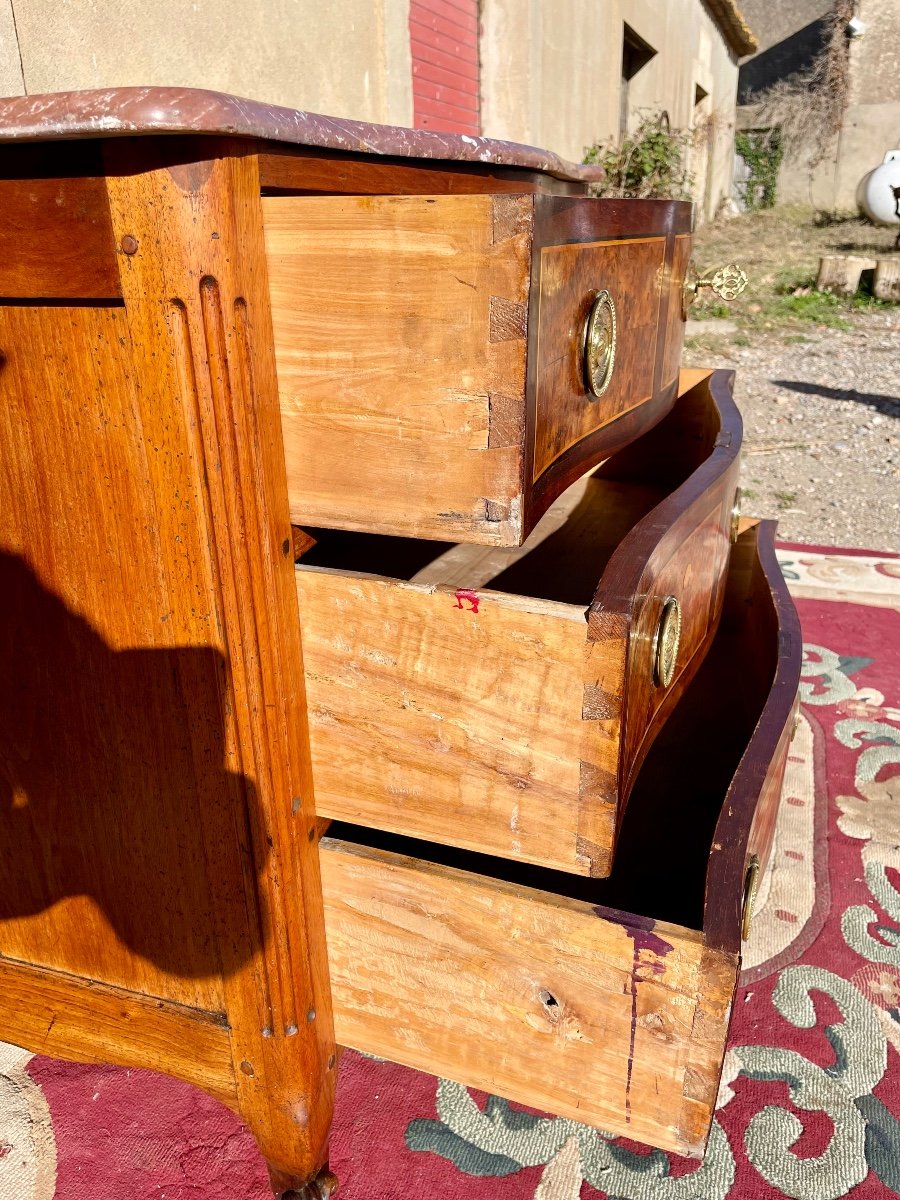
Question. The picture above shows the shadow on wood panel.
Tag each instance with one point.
(106, 758)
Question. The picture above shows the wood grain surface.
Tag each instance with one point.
(155, 794)
(292, 171)
(571, 223)
(604, 1018)
(540, 986)
(430, 718)
(670, 359)
(570, 276)
(71, 1017)
(400, 327)
(761, 612)
(56, 239)
(502, 700)
(403, 325)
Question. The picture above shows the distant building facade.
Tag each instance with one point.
(556, 73)
(790, 35)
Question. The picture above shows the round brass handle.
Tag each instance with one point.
(666, 642)
(751, 884)
(727, 283)
(599, 344)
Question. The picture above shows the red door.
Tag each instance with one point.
(444, 39)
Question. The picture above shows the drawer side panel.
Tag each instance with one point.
(544, 1000)
(400, 329)
(454, 717)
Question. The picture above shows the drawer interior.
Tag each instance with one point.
(502, 699)
(605, 1001)
(567, 552)
(659, 870)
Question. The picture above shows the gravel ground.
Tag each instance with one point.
(821, 430)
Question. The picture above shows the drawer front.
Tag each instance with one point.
(688, 570)
(435, 342)
(651, 623)
(573, 1005)
(632, 271)
(671, 356)
(464, 705)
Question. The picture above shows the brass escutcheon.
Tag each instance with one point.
(666, 641)
(751, 883)
(727, 283)
(599, 344)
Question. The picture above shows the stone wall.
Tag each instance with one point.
(551, 70)
(871, 123)
(346, 57)
(551, 75)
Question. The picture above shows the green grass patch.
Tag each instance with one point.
(711, 310)
(785, 499)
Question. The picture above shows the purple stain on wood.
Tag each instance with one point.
(642, 931)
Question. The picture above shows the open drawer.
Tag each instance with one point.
(448, 364)
(606, 1001)
(503, 700)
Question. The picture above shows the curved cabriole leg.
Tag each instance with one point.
(321, 1188)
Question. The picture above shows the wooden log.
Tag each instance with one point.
(887, 279)
(841, 273)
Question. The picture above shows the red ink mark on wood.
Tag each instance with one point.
(472, 598)
(643, 937)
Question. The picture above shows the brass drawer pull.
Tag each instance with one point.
(751, 885)
(666, 642)
(736, 516)
(599, 353)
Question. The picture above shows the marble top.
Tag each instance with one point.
(129, 111)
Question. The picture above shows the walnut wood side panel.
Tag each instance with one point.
(89, 779)
(477, 702)
(56, 240)
(154, 766)
(586, 1013)
(435, 342)
(65, 1016)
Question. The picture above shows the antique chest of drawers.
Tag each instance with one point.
(374, 600)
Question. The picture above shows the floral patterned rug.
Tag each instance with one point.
(809, 1105)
